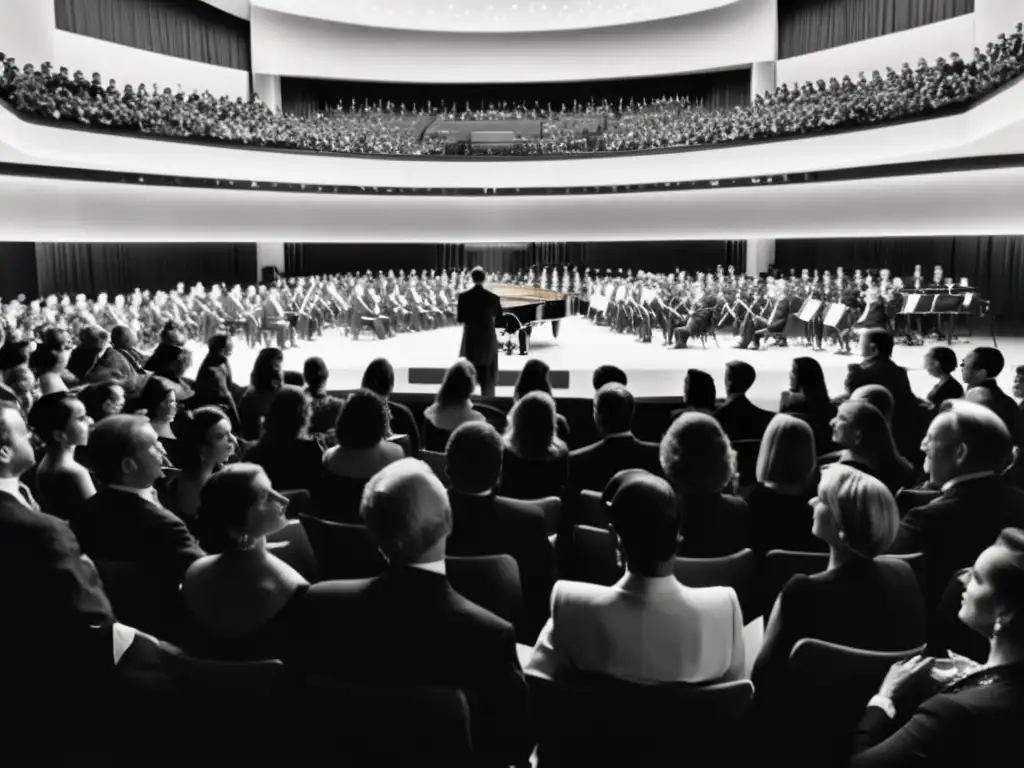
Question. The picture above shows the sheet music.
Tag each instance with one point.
(913, 300)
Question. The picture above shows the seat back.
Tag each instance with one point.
(299, 502)
(551, 506)
(139, 600)
(495, 416)
(589, 719)
(343, 550)
(593, 511)
(593, 556)
(436, 461)
(735, 570)
(490, 581)
(291, 544)
(832, 684)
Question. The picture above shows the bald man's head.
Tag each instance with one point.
(407, 514)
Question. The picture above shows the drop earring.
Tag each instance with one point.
(997, 628)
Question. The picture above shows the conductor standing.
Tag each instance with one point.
(479, 312)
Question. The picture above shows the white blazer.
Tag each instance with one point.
(643, 630)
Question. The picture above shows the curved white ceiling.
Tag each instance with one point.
(489, 15)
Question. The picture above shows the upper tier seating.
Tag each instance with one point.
(389, 129)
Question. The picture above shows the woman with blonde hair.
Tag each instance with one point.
(860, 600)
(866, 442)
(536, 460)
(452, 406)
(699, 462)
(787, 471)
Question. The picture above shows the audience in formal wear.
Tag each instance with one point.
(866, 442)
(648, 627)
(267, 377)
(980, 369)
(535, 377)
(940, 362)
(698, 461)
(102, 400)
(698, 392)
(240, 600)
(955, 712)
(787, 468)
(290, 458)
(966, 449)
(323, 407)
(214, 384)
(158, 402)
(536, 460)
(408, 626)
(362, 451)
(379, 377)
(62, 485)
(451, 407)
(740, 418)
(859, 600)
(807, 397)
(609, 374)
(49, 364)
(484, 523)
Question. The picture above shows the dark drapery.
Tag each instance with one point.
(18, 270)
(806, 26)
(717, 90)
(330, 258)
(91, 268)
(188, 29)
(995, 265)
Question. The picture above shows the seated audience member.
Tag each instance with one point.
(956, 712)
(535, 377)
(413, 628)
(879, 397)
(291, 460)
(172, 337)
(240, 600)
(49, 591)
(123, 340)
(62, 485)
(206, 443)
(877, 366)
(808, 399)
(940, 362)
(980, 369)
(102, 400)
(860, 600)
(214, 383)
(609, 374)
(451, 407)
(124, 520)
(740, 418)
(266, 378)
(22, 382)
(362, 451)
(379, 377)
(787, 469)
(173, 368)
(158, 401)
(48, 364)
(484, 523)
(95, 360)
(698, 461)
(323, 408)
(698, 393)
(536, 460)
(647, 628)
(866, 442)
(1018, 384)
(966, 449)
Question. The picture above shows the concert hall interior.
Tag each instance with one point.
(348, 350)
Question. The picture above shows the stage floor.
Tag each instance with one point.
(420, 359)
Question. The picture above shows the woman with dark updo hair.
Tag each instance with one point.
(240, 600)
(266, 378)
(62, 485)
(292, 461)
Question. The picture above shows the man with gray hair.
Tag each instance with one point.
(408, 627)
(966, 450)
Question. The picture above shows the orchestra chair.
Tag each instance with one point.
(551, 506)
(151, 686)
(291, 544)
(593, 511)
(593, 556)
(831, 685)
(736, 570)
(343, 550)
(746, 460)
(780, 565)
(585, 718)
(436, 461)
(492, 582)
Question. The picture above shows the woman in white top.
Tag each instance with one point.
(452, 406)
(647, 628)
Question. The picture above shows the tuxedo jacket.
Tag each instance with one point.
(956, 527)
(408, 627)
(119, 526)
(642, 631)
(404, 423)
(592, 466)
(1006, 408)
(742, 420)
(479, 312)
(495, 525)
(973, 722)
(882, 370)
(946, 390)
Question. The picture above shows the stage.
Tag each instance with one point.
(420, 359)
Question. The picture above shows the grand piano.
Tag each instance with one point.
(525, 306)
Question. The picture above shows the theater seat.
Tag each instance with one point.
(551, 506)
(735, 570)
(490, 581)
(593, 556)
(592, 510)
(436, 461)
(343, 550)
(291, 544)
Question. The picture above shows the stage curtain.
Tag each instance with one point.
(92, 268)
(995, 265)
(188, 29)
(806, 26)
(18, 271)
